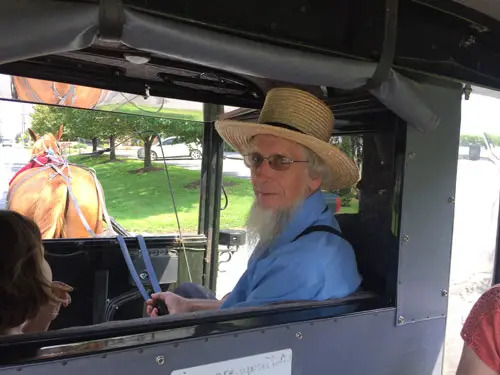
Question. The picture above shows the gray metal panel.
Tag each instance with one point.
(357, 344)
(222, 51)
(31, 28)
(429, 188)
(62, 27)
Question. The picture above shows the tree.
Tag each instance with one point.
(22, 137)
(78, 123)
(114, 126)
(147, 128)
(47, 119)
(92, 124)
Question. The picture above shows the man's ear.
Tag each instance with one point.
(315, 183)
(59, 133)
(33, 135)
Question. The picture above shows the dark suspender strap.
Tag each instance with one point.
(319, 228)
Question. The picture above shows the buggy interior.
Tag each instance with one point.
(360, 93)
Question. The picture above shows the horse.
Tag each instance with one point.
(64, 199)
(47, 92)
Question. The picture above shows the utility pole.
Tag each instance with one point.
(23, 124)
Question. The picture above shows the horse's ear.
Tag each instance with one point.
(60, 132)
(33, 135)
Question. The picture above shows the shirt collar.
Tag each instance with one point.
(305, 215)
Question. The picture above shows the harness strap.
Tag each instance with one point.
(73, 199)
(109, 225)
(320, 228)
(131, 268)
(149, 265)
(17, 185)
(158, 304)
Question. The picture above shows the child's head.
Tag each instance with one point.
(24, 274)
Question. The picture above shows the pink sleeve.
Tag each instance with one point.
(481, 331)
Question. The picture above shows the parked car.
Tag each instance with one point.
(7, 142)
(173, 147)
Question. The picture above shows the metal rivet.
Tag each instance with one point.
(405, 238)
(299, 335)
(160, 360)
(444, 293)
(451, 200)
(412, 155)
(401, 320)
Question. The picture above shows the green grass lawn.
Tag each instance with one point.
(353, 208)
(141, 202)
(191, 114)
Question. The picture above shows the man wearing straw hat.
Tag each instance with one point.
(301, 254)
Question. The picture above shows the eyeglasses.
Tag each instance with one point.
(276, 162)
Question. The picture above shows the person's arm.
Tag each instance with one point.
(471, 364)
(177, 304)
(194, 305)
(41, 322)
(284, 281)
(481, 335)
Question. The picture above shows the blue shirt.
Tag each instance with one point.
(317, 266)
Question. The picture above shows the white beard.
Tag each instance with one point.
(265, 225)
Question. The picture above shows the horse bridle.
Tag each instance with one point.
(49, 151)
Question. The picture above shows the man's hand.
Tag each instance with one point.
(175, 303)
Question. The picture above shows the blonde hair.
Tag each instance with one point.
(24, 288)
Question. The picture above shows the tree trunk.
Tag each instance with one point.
(94, 144)
(148, 142)
(112, 154)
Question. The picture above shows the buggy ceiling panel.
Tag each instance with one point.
(38, 28)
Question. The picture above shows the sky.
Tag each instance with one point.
(11, 117)
(480, 113)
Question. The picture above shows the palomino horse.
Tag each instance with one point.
(47, 92)
(65, 200)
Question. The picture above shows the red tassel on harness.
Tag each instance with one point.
(39, 161)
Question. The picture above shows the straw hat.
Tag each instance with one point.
(301, 117)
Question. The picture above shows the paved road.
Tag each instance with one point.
(474, 240)
(12, 159)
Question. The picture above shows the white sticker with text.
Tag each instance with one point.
(275, 363)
